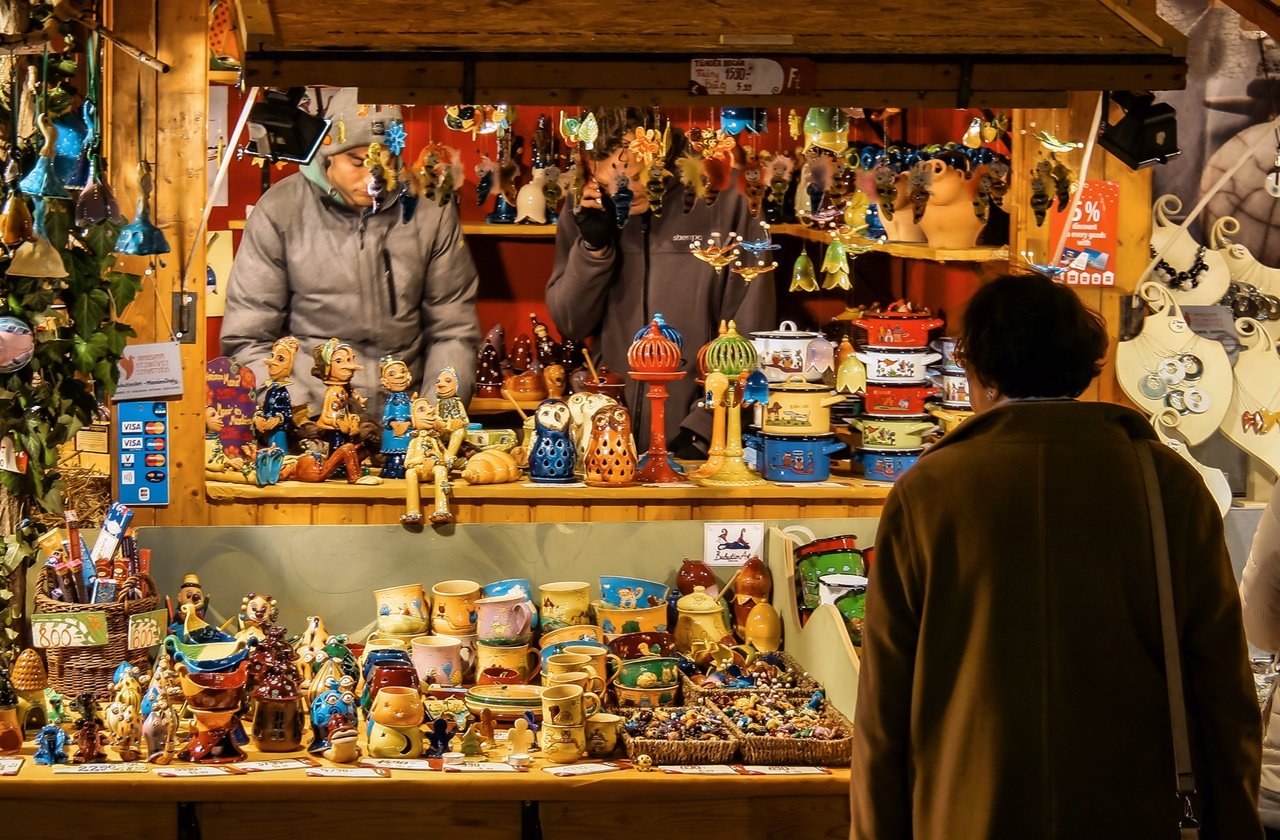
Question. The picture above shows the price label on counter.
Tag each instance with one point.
(101, 769)
(588, 769)
(349, 772)
(413, 764)
(764, 770)
(198, 770)
(11, 766)
(273, 764)
(700, 770)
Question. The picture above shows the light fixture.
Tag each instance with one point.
(1147, 134)
(280, 130)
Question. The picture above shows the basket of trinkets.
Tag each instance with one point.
(776, 672)
(693, 734)
(777, 728)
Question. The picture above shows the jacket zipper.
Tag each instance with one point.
(636, 397)
(390, 278)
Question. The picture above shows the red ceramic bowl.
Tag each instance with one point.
(495, 675)
(888, 330)
(897, 400)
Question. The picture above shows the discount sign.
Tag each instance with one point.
(1089, 253)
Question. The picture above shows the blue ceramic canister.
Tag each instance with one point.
(798, 458)
(888, 465)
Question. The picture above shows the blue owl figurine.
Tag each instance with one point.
(551, 461)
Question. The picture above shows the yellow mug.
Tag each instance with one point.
(454, 606)
(582, 679)
(601, 730)
(562, 744)
(568, 705)
(523, 659)
(564, 604)
(606, 664)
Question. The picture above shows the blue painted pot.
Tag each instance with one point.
(798, 458)
(886, 466)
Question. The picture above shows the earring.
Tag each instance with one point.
(991, 394)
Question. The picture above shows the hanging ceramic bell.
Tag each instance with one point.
(43, 179)
(836, 266)
(96, 203)
(803, 278)
(140, 238)
(15, 220)
(38, 257)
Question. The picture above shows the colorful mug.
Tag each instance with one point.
(504, 619)
(601, 730)
(455, 606)
(522, 659)
(584, 680)
(438, 660)
(402, 609)
(565, 604)
(468, 643)
(568, 705)
(511, 586)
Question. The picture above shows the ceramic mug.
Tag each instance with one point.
(565, 663)
(455, 606)
(522, 659)
(468, 643)
(504, 619)
(438, 660)
(397, 706)
(564, 604)
(618, 621)
(495, 675)
(649, 672)
(584, 680)
(402, 609)
(382, 656)
(605, 663)
(382, 641)
(574, 633)
(601, 730)
(394, 741)
(511, 586)
(568, 705)
(562, 744)
(390, 674)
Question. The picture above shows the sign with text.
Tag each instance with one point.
(150, 370)
(731, 543)
(730, 76)
(1089, 252)
(142, 453)
(147, 629)
(65, 630)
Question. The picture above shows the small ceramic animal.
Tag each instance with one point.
(342, 741)
(51, 745)
(158, 731)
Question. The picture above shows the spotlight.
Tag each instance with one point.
(280, 130)
(1147, 134)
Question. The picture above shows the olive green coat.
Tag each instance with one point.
(1012, 680)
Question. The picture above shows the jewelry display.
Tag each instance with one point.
(1243, 266)
(1214, 479)
(1196, 275)
(1253, 416)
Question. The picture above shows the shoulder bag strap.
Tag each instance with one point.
(1186, 780)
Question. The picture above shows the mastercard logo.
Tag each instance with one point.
(156, 476)
(155, 444)
(155, 427)
(156, 460)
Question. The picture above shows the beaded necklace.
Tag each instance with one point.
(1182, 279)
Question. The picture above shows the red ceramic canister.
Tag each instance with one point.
(897, 400)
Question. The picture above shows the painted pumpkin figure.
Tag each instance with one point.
(551, 460)
(610, 459)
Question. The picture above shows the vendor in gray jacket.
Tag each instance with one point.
(317, 262)
(607, 283)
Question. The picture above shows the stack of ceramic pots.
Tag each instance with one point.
(950, 378)
(895, 422)
(634, 617)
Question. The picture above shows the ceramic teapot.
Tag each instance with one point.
(701, 619)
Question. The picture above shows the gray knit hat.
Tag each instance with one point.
(350, 130)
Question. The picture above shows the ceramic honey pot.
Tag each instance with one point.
(701, 620)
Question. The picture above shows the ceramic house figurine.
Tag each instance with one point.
(277, 695)
(30, 681)
(273, 421)
(51, 745)
(425, 461)
(610, 459)
(90, 739)
(551, 459)
(335, 365)
(396, 421)
(451, 414)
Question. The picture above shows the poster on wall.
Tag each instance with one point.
(1089, 252)
(142, 452)
(732, 543)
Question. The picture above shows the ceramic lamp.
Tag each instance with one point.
(38, 257)
(141, 238)
(96, 203)
(654, 358)
(43, 178)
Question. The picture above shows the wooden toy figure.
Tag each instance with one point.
(425, 461)
(335, 365)
(396, 416)
(273, 421)
(451, 414)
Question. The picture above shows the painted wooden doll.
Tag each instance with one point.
(396, 416)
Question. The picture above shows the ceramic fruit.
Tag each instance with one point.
(798, 458)
(631, 593)
(602, 734)
(522, 659)
(397, 706)
(564, 603)
(636, 645)
(796, 407)
(897, 366)
(649, 672)
(402, 609)
(616, 621)
(562, 744)
(568, 705)
(898, 329)
(701, 619)
(886, 466)
(438, 660)
(897, 400)
(504, 619)
(885, 434)
(646, 698)
(455, 606)
(782, 352)
(764, 628)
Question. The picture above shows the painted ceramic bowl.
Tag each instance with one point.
(559, 647)
(384, 656)
(505, 702)
(631, 593)
(213, 692)
(617, 621)
(646, 698)
(574, 633)
(209, 658)
(649, 672)
(636, 645)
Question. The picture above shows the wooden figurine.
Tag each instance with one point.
(610, 459)
(451, 414)
(425, 461)
(273, 420)
(335, 365)
(396, 421)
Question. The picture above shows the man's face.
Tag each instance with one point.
(446, 384)
(396, 377)
(350, 177)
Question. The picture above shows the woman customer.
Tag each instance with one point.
(1012, 681)
(1260, 592)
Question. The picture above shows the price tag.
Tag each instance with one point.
(764, 770)
(274, 764)
(11, 766)
(67, 630)
(349, 772)
(479, 767)
(588, 769)
(198, 770)
(101, 769)
(412, 764)
(144, 628)
(732, 76)
(701, 770)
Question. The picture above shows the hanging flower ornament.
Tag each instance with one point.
(396, 137)
(645, 145)
(717, 251)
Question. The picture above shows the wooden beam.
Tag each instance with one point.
(257, 28)
(1149, 24)
(1263, 14)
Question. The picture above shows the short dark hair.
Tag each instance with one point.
(1031, 337)
(616, 123)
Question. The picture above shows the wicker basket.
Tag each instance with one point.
(681, 752)
(760, 749)
(73, 671)
(805, 685)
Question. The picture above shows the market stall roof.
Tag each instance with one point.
(904, 52)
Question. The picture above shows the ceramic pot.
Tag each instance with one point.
(278, 725)
(585, 680)
(954, 385)
(616, 621)
(896, 400)
(881, 434)
(574, 633)
(636, 645)
(562, 744)
(455, 606)
(10, 731)
(696, 573)
(397, 706)
(213, 692)
(843, 541)
(568, 705)
(946, 345)
(605, 663)
(383, 656)
(504, 619)
(949, 418)
(796, 407)
(402, 609)
(897, 366)
(646, 698)
(394, 741)
(886, 466)
(438, 660)
(522, 659)
(701, 620)
(753, 586)
(214, 657)
(631, 593)
(763, 629)
(649, 672)
(890, 330)
(602, 734)
(782, 352)
(564, 603)
(798, 458)
(495, 675)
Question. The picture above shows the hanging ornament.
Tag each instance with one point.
(15, 221)
(38, 257)
(793, 124)
(972, 138)
(749, 271)
(17, 344)
(717, 251)
(803, 278)
(485, 170)
(396, 137)
(835, 267)
(140, 237)
(588, 131)
(43, 180)
(622, 197)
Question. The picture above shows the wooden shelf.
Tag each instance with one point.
(906, 250)
(224, 77)
(486, 229)
(488, 405)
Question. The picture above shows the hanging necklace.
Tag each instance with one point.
(1259, 419)
(1182, 279)
(1172, 377)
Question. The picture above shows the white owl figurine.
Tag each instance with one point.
(551, 461)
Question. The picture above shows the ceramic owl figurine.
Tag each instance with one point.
(551, 461)
(610, 459)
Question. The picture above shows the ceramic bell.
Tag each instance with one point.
(15, 221)
(531, 203)
(140, 237)
(97, 203)
(43, 179)
(38, 257)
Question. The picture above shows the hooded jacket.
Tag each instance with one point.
(312, 267)
(1012, 677)
(1260, 594)
(612, 295)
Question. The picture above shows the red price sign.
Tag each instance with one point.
(1089, 253)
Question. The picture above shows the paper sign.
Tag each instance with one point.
(349, 772)
(142, 453)
(1090, 250)
(101, 769)
(764, 770)
(479, 767)
(701, 770)
(731, 76)
(150, 370)
(145, 629)
(198, 770)
(731, 543)
(413, 764)
(92, 439)
(588, 769)
(67, 630)
(11, 766)
(274, 764)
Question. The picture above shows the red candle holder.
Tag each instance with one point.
(655, 359)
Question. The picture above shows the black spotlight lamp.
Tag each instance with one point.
(1147, 134)
(280, 130)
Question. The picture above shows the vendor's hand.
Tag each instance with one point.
(595, 218)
